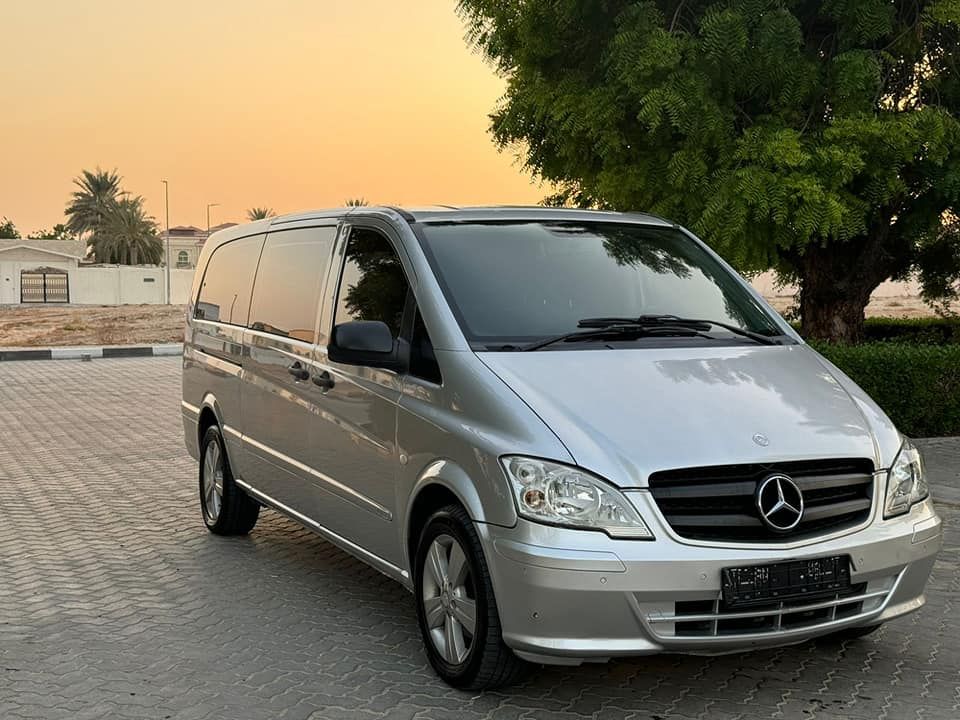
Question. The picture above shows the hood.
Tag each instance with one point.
(626, 413)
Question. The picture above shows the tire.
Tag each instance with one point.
(481, 660)
(854, 633)
(226, 509)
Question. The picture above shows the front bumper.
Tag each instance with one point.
(611, 597)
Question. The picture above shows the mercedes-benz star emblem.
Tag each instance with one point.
(780, 503)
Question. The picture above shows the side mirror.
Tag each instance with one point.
(363, 342)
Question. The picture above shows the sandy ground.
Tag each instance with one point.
(48, 325)
(44, 326)
(899, 306)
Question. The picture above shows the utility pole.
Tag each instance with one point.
(209, 205)
(166, 202)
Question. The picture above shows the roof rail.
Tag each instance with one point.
(401, 212)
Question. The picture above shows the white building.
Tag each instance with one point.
(37, 270)
(186, 241)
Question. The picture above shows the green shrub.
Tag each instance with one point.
(917, 385)
(927, 330)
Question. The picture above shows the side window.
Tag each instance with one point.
(227, 281)
(373, 286)
(286, 293)
(423, 361)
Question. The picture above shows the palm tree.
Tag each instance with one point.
(355, 202)
(98, 192)
(259, 213)
(127, 235)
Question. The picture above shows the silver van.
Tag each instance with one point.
(572, 435)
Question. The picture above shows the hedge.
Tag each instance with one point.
(928, 330)
(916, 384)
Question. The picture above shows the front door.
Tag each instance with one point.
(278, 396)
(353, 440)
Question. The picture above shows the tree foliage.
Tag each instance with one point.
(114, 223)
(127, 235)
(816, 137)
(355, 202)
(59, 232)
(260, 213)
(8, 231)
(96, 193)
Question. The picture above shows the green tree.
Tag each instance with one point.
(59, 232)
(8, 231)
(97, 192)
(260, 213)
(127, 235)
(819, 138)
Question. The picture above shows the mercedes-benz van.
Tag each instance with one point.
(572, 435)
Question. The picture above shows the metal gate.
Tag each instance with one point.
(43, 287)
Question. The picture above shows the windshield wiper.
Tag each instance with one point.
(659, 320)
(616, 330)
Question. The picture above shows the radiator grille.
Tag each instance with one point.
(718, 503)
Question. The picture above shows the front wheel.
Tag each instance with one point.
(456, 608)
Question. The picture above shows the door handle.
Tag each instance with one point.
(324, 380)
(298, 371)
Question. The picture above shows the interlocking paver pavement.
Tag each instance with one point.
(115, 602)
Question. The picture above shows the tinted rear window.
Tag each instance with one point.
(227, 282)
(286, 294)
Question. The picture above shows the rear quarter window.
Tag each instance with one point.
(228, 281)
(286, 294)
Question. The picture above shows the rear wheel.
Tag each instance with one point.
(456, 608)
(227, 510)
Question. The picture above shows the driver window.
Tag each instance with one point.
(373, 285)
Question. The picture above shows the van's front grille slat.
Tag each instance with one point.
(710, 619)
(718, 503)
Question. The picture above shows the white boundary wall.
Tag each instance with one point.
(128, 285)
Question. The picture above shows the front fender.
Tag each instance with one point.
(498, 510)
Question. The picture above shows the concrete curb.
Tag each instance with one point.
(89, 352)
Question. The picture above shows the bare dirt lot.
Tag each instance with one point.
(48, 325)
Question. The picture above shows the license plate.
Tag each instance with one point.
(816, 578)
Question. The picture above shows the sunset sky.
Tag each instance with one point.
(292, 104)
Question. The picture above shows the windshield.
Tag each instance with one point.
(520, 282)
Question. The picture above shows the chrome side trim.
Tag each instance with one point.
(339, 487)
(375, 561)
(233, 431)
(231, 368)
(193, 409)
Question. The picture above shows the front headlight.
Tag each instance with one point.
(562, 495)
(906, 482)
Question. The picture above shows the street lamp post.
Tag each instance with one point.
(166, 202)
(210, 205)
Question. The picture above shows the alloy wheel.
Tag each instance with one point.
(212, 481)
(449, 599)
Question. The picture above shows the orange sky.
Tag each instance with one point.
(291, 104)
